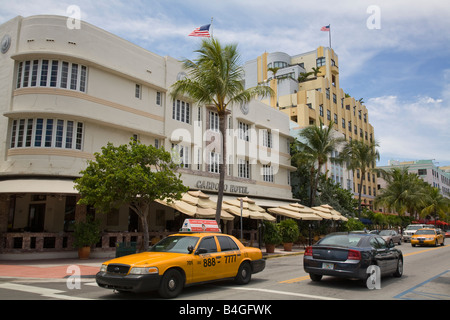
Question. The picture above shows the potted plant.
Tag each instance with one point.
(272, 236)
(86, 234)
(289, 233)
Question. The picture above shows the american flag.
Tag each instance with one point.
(325, 28)
(202, 31)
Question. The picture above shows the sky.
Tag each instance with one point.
(393, 54)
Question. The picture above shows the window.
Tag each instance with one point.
(227, 244)
(214, 121)
(51, 73)
(214, 162)
(422, 172)
(158, 98)
(267, 173)
(267, 138)
(48, 133)
(209, 244)
(320, 61)
(182, 153)
(137, 91)
(243, 169)
(181, 111)
(321, 110)
(244, 133)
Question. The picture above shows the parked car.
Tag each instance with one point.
(349, 255)
(410, 230)
(391, 236)
(447, 233)
(428, 236)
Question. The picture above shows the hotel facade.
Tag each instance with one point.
(66, 92)
(308, 91)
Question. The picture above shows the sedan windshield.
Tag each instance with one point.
(177, 244)
(385, 233)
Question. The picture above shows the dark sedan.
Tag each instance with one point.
(349, 255)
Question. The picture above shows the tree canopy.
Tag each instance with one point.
(134, 174)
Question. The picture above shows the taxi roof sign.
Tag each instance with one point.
(200, 225)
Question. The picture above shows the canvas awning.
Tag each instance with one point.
(327, 212)
(250, 209)
(296, 211)
(196, 204)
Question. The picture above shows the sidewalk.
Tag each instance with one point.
(64, 268)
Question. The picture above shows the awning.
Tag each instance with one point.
(58, 186)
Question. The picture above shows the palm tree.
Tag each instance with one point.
(405, 192)
(316, 144)
(435, 203)
(360, 156)
(215, 78)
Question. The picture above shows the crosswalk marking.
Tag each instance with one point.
(45, 292)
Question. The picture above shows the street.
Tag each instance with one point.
(426, 277)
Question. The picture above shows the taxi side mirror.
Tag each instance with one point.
(201, 251)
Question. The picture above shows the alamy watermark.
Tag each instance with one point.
(74, 17)
(373, 22)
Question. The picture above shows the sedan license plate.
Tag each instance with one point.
(328, 266)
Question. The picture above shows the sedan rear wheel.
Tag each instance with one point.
(244, 274)
(315, 277)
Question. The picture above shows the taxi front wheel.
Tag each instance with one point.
(171, 284)
(244, 274)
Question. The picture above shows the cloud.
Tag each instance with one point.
(415, 129)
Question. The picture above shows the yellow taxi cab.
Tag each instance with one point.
(198, 253)
(427, 237)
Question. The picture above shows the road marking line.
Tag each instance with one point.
(50, 293)
(295, 279)
(286, 293)
(421, 251)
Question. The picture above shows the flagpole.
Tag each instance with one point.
(329, 34)
(212, 27)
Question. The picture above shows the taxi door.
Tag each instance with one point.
(232, 256)
(208, 263)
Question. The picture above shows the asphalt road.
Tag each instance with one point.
(426, 277)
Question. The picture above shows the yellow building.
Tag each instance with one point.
(307, 89)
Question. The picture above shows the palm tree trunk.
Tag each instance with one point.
(222, 164)
(360, 192)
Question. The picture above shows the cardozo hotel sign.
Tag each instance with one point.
(214, 186)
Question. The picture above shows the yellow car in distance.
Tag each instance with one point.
(427, 237)
(192, 256)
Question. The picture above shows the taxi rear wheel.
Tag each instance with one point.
(171, 284)
(244, 274)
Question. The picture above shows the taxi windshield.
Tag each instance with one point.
(425, 232)
(177, 244)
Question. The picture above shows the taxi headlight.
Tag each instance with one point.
(103, 268)
(145, 270)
